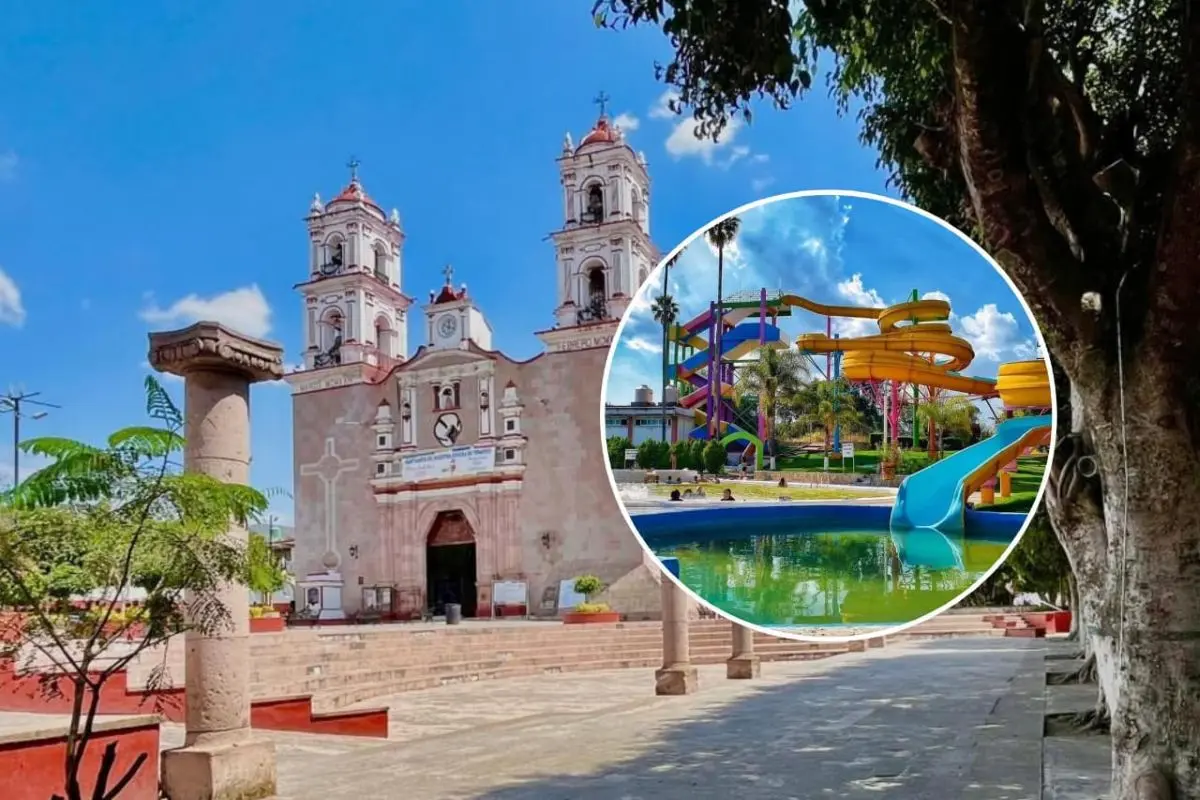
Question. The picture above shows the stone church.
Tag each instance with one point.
(454, 473)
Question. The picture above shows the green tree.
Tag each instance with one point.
(953, 415)
(1039, 563)
(1064, 136)
(617, 445)
(828, 405)
(265, 574)
(683, 454)
(666, 311)
(720, 235)
(714, 457)
(774, 375)
(653, 454)
(98, 521)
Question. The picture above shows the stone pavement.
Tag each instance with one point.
(937, 720)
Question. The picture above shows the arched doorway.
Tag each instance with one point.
(450, 563)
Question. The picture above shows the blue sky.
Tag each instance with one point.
(157, 159)
(839, 250)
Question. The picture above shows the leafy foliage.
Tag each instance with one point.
(93, 525)
(617, 445)
(714, 457)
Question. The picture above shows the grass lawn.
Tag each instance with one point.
(865, 461)
(1025, 483)
(754, 491)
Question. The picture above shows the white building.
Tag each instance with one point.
(641, 420)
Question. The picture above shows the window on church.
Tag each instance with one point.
(510, 424)
(380, 263)
(381, 469)
(594, 211)
(509, 455)
(382, 441)
(446, 397)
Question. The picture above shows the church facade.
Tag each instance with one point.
(454, 473)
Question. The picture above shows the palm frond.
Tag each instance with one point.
(159, 404)
(146, 442)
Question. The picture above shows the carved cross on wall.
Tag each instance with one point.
(328, 468)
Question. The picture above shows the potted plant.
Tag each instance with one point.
(891, 459)
(590, 612)
(265, 576)
(265, 619)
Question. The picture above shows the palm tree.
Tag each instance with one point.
(825, 405)
(775, 374)
(954, 414)
(665, 311)
(719, 236)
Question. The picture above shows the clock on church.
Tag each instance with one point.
(447, 326)
(447, 429)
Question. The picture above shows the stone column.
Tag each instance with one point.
(745, 662)
(677, 675)
(221, 757)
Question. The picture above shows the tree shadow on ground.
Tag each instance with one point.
(900, 723)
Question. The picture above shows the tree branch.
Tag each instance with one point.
(989, 51)
(1175, 283)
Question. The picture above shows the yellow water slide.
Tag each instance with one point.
(915, 345)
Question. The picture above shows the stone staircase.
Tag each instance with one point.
(344, 665)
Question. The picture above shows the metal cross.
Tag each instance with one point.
(448, 271)
(602, 101)
(353, 164)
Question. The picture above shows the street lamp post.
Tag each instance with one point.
(14, 403)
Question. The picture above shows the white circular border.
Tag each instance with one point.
(649, 282)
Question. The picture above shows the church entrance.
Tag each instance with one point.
(450, 564)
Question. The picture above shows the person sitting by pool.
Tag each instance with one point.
(687, 492)
(700, 492)
(727, 495)
(675, 496)
(782, 482)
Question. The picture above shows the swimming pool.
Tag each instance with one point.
(823, 565)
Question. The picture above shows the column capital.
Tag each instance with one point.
(211, 346)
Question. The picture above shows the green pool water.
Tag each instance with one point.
(812, 578)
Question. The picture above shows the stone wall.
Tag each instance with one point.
(570, 521)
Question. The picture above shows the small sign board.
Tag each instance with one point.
(568, 598)
(509, 593)
(630, 455)
(847, 449)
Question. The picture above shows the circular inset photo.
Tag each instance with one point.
(828, 414)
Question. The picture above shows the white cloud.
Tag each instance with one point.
(642, 344)
(626, 122)
(245, 310)
(683, 142)
(8, 165)
(662, 108)
(855, 294)
(760, 158)
(995, 334)
(759, 184)
(936, 295)
(12, 311)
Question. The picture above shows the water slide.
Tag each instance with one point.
(936, 496)
(924, 351)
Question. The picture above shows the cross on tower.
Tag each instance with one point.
(448, 271)
(353, 165)
(602, 101)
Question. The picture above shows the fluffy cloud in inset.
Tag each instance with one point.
(996, 335)
(856, 294)
(642, 344)
(245, 310)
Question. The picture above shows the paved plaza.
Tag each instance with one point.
(939, 719)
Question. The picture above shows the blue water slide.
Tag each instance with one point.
(734, 337)
(933, 497)
(928, 548)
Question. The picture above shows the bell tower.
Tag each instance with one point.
(604, 252)
(354, 309)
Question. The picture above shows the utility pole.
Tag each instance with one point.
(14, 403)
